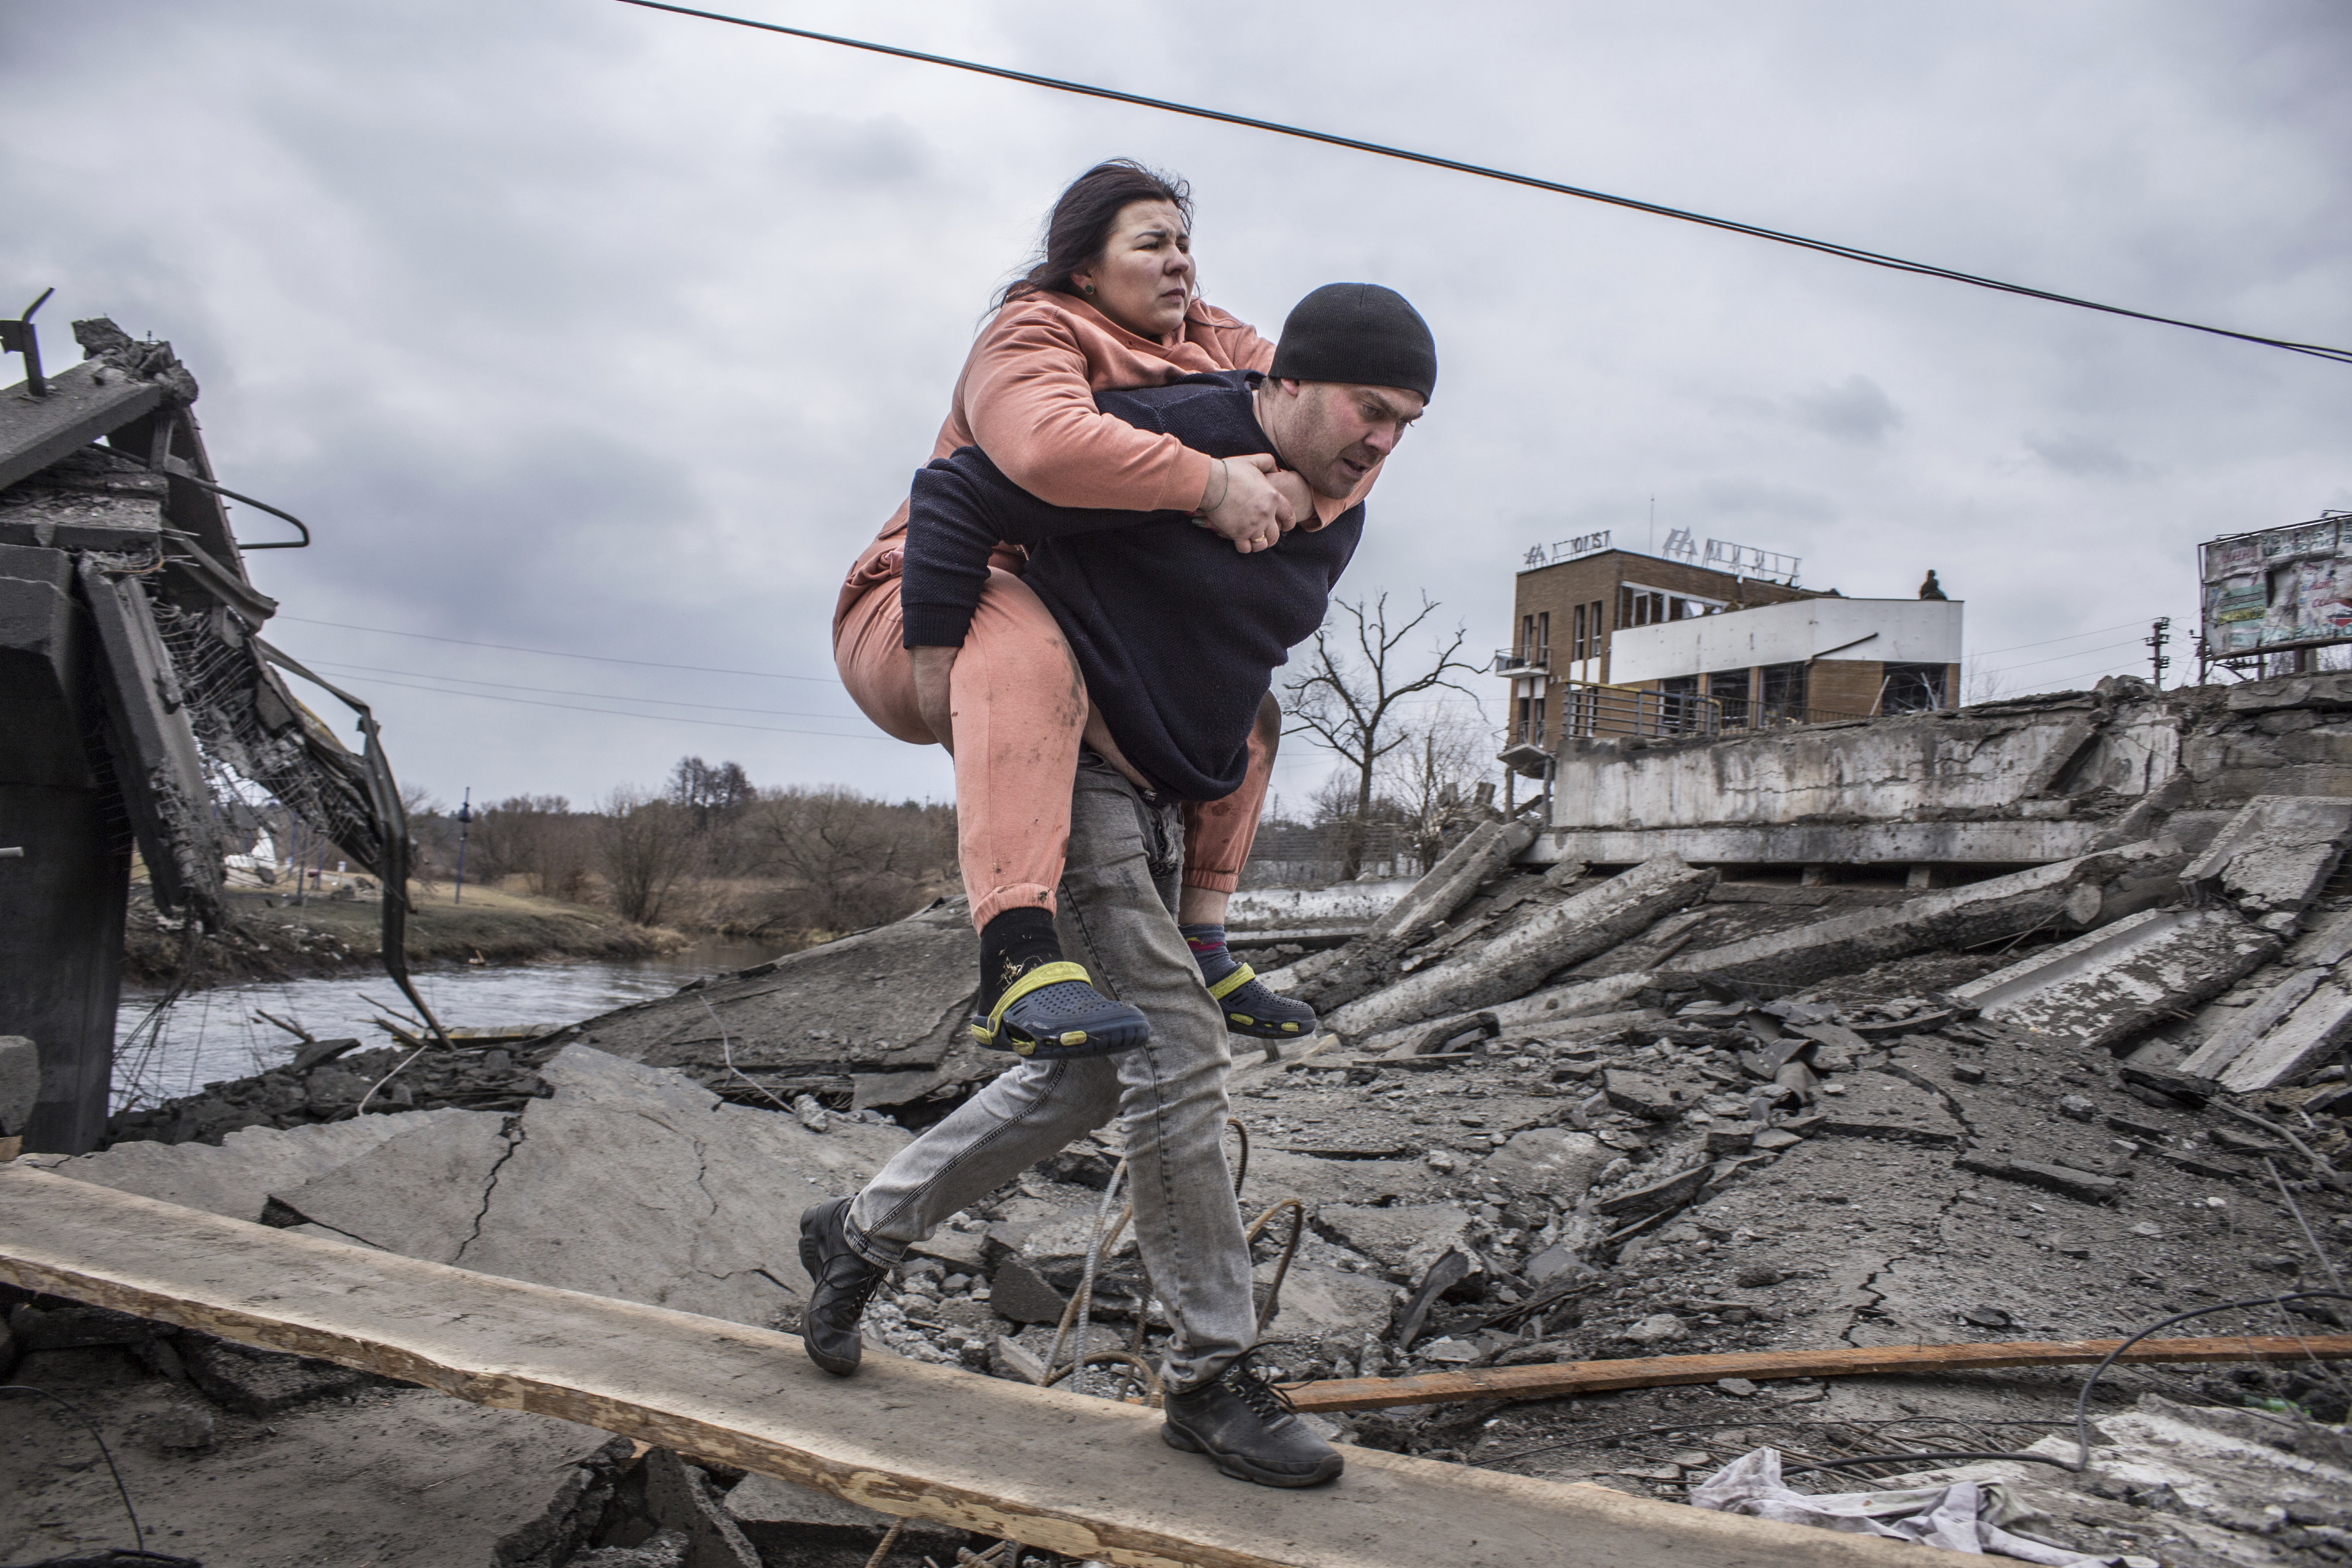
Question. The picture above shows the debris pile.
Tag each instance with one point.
(1565, 1114)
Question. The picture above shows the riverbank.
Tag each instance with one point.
(276, 938)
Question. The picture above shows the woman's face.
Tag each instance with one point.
(1143, 279)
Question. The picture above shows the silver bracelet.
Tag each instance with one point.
(1226, 490)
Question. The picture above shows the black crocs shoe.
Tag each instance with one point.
(1054, 1011)
(1247, 1426)
(1254, 1009)
(841, 1281)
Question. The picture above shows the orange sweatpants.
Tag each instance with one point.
(1020, 708)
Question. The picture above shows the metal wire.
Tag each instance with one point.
(138, 1541)
(1094, 1261)
(1754, 231)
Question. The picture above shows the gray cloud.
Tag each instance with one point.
(583, 328)
(1854, 410)
(2088, 457)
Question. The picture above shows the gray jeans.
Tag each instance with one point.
(1118, 917)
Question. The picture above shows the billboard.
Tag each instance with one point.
(2280, 588)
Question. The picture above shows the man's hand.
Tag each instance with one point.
(1249, 510)
(933, 665)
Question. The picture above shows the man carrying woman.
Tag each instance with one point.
(1113, 303)
(1168, 637)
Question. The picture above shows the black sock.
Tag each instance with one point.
(1011, 945)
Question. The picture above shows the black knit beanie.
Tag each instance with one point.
(1359, 333)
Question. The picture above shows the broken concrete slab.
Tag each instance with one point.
(1361, 965)
(2067, 896)
(1878, 1105)
(891, 1004)
(1551, 1162)
(799, 1527)
(402, 1478)
(629, 1180)
(1404, 1239)
(1640, 1094)
(2085, 1185)
(2102, 990)
(1662, 1194)
(235, 1176)
(1276, 1172)
(2319, 1023)
(680, 1497)
(1576, 1002)
(1516, 961)
(20, 1083)
(2275, 854)
(262, 1382)
(2235, 1030)
(1320, 1302)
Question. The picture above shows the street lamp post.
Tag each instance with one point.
(465, 816)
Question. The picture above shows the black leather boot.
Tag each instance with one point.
(1247, 1425)
(841, 1281)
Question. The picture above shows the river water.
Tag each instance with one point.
(210, 1035)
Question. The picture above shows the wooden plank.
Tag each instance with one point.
(1087, 1478)
(82, 407)
(1557, 1379)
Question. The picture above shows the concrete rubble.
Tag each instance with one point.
(1570, 1108)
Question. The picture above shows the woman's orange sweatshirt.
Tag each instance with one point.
(1027, 397)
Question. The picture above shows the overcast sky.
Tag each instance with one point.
(576, 327)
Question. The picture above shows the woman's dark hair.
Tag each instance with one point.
(1082, 220)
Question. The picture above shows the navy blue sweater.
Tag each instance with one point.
(1177, 633)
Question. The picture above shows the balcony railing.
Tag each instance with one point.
(1509, 661)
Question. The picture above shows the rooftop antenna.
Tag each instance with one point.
(17, 337)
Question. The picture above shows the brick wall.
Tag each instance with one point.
(1844, 686)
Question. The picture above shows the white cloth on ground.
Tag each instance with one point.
(1966, 1516)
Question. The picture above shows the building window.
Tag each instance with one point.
(1576, 632)
(1543, 640)
(1728, 688)
(1640, 606)
(1526, 637)
(1783, 695)
(1911, 687)
(1600, 645)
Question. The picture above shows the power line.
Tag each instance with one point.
(2045, 642)
(2061, 658)
(597, 696)
(616, 713)
(1826, 247)
(558, 653)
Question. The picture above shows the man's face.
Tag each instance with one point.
(1333, 433)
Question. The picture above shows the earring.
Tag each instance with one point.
(1088, 288)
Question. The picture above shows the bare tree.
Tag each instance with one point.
(712, 792)
(1349, 698)
(845, 861)
(646, 843)
(1434, 777)
(539, 836)
(1980, 683)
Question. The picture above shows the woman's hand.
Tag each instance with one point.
(933, 665)
(1242, 504)
(1295, 489)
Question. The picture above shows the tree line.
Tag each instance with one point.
(793, 864)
